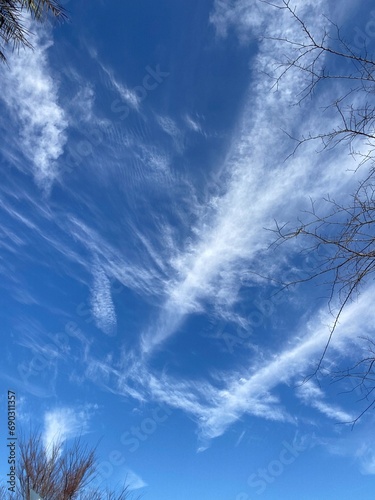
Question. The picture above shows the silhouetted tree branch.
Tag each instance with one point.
(12, 22)
(347, 233)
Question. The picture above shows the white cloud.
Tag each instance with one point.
(217, 405)
(366, 456)
(193, 124)
(228, 243)
(31, 95)
(142, 276)
(134, 481)
(170, 127)
(252, 391)
(65, 423)
(252, 19)
(313, 396)
(102, 305)
(288, 364)
(126, 94)
(261, 187)
(154, 158)
(357, 446)
(82, 103)
(247, 17)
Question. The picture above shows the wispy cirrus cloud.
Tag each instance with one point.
(126, 94)
(358, 446)
(313, 396)
(63, 423)
(135, 274)
(170, 127)
(32, 98)
(254, 391)
(292, 363)
(227, 242)
(366, 457)
(193, 124)
(259, 187)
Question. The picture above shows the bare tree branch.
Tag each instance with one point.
(347, 233)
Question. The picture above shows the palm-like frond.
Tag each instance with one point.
(12, 29)
(38, 8)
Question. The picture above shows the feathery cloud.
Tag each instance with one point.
(31, 96)
(63, 423)
(313, 396)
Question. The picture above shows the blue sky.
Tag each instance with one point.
(144, 157)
